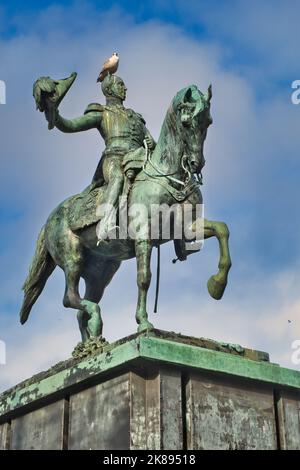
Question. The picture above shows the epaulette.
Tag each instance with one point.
(141, 118)
(137, 114)
(92, 107)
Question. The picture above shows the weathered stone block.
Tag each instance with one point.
(4, 436)
(228, 414)
(156, 390)
(42, 429)
(99, 416)
(288, 408)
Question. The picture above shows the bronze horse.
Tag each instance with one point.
(168, 171)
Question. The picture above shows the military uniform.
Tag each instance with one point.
(123, 130)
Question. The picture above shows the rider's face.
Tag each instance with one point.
(119, 89)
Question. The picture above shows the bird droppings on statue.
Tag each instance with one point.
(110, 66)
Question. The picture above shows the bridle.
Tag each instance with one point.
(169, 176)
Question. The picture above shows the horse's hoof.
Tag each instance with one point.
(216, 288)
(145, 326)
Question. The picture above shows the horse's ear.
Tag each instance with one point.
(187, 96)
(208, 95)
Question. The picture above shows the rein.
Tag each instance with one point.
(160, 173)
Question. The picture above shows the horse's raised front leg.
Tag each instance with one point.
(217, 283)
(143, 249)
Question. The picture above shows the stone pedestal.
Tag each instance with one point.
(156, 390)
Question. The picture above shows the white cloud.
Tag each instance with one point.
(262, 39)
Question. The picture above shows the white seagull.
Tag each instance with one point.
(109, 66)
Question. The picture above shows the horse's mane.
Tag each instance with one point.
(169, 126)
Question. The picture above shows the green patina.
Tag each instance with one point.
(157, 346)
(163, 174)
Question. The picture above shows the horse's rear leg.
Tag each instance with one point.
(72, 299)
(217, 283)
(95, 284)
(143, 249)
(87, 323)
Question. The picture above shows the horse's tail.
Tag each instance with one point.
(41, 268)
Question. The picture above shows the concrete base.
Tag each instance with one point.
(156, 390)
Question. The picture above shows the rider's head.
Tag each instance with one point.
(114, 87)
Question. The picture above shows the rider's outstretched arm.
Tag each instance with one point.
(88, 121)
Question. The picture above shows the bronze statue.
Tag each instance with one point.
(122, 129)
(76, 238)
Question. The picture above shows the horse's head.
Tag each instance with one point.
(192, 109)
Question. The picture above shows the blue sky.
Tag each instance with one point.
(250, 179)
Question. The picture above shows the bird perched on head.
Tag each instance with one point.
(110, 66)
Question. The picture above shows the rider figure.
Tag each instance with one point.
(122, 129)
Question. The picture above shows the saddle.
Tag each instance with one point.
(134, 161)
(83, 208)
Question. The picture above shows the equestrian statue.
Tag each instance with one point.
(89, 234)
